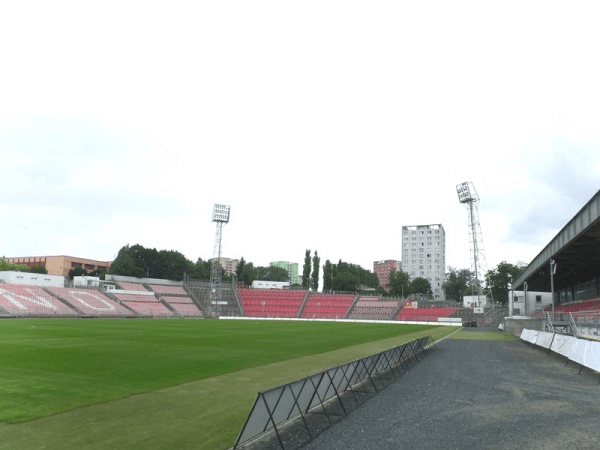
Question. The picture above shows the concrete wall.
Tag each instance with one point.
(118, 278)
(514, 325)
(32, 279)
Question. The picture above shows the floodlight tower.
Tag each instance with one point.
(220, 216)
(467, 195)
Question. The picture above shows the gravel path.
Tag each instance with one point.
(472, 394)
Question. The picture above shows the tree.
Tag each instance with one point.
(327, 276)
(421, 285)
(314, 279)
(456, 283)
(172, 265)
(306, 270)
(249, 274)
(201, 270)
(127, 263)
(38, 269)
(5, 265)
(363, 276)
(240, 268)
(399, 284)
(138, 261)
(77, 272)
(345, 281)
(271, 273)
(498, 279)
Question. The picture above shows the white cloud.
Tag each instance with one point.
(326, 125)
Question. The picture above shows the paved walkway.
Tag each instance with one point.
(475, 394)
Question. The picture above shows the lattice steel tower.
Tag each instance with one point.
(467, 195)
(220, 216)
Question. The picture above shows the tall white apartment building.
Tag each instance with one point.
(424, 255)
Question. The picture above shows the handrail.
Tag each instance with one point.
(573, 326)
(549, 323)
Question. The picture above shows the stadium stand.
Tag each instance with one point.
(200, 291)
(149, 309)
(271, 302)
(185, 306)
(131, 286)
(90, 302)
(584, 305)
(187, 309)
(423, 314)
(371, 308)
(22, 300)
(327, 306)
(167, 289)
(135, 298)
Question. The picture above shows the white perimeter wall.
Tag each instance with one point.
(32, 279)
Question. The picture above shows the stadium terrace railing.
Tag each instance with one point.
(584, 324)
(311, 404)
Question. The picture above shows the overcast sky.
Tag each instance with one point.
(326, 125)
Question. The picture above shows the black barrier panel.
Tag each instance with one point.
(323, 392)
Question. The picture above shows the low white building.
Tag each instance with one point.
(32, 279)
(85, 281)
(521, 306)
(472, 301)
(260, 284)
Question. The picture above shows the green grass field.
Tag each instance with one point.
(72, 383)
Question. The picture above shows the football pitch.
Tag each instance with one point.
(152, 383)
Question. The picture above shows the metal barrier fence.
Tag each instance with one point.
(296, 412)
(578, 323)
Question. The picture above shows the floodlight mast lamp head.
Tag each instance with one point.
(465, 193)
(221, 213)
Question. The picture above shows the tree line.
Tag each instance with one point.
(138, 261)
(5, 265)
(461, 282)
(342, 276)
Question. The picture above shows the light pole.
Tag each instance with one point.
(220, 217)
(552, 272)
(525, 296)
(467, 195)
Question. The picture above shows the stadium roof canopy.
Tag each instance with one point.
(575, 249)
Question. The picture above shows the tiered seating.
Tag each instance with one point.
(423, 314)
(144, 305)
(327, 306)
(19, 300)
(184, 306)
(166, 289)
(151, 309)
(373, 309)
(135, 298)
(90, 302)
(586, 305)
(178, 299)
(271, 302)
(132, 286)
